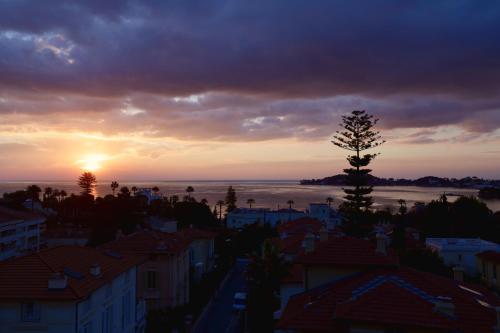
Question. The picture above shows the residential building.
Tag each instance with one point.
(201, 251)
(392, 300)
(20, 232)
(71, 289)
(162, 224)
(163, 279)
(461, 251)
(488, 264)
(241, 217)
(324, 213)
(66, 236)
(149, 194)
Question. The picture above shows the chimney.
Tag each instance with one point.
(58, 282)
(445, 306)
(309, 242)
(458, 274)
(381, 244)
(95, 270)
(323, 234)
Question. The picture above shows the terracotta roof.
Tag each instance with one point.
(11, 215)
(67, 233)
(150, 242)
(348, 251)
(27, 277)
(490, 256)
(300, 226)
(391, 297)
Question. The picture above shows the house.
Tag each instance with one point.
(20, 232)
(149, 194)
(241, 217)
(324, 213)
(66, 236)
(332, 258)
(71, 289)
(163, 279)
(392, 300)
(461, 251)
(201, 250)
(162, 224)
(488, 264)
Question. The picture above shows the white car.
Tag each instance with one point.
(240, 301)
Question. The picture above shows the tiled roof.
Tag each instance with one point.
(150, 242)
(392, 297)
(300, 226)
(295, 274)
(11, 215)
(490, 256)
(27, 277)
(348, 251)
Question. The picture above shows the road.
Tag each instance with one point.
(219, 316)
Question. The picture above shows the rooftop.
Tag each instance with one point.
(10, 215)
(27, 277)
(150, 242)
(300, 226)
(345, 250)
(392, 297)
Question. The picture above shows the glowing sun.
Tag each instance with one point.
(92, 162)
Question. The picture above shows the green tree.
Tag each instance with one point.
(250, 202)
(230, 199)
(114, 186)
(87, 182)
(357, 136)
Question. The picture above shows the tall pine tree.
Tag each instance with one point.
(357, 136)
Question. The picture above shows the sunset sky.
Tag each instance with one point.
(221, 89)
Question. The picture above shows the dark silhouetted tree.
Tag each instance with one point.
(290, 203)
(329, 201)
(87, 182)
(230, 199)
(220, 203)
(34, 194)
(357, 136)
(250, 202)
(189, 190)
(114, 186)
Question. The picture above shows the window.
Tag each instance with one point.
(151, 279)
(30, 312)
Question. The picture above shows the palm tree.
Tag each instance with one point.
(57, 194)
(155, 189)
(34, 194)
(47, 192)
(220, 203)
(329, 201)
(174, 199)
(114, 186)
(134, 189)
(204, 201)
(250, 202)
(290, 203)
(402, 206)
(189, 190)
(124, 192)
(63, 194)
(87, 182)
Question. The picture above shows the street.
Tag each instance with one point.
(219, 316)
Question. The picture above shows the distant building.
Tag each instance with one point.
(163, 279)
(66, 236)
(241, 217)
(20, 232)
(325, 214)
(71, 289)
(392, 300)
(461, 251)
(162, 224)
(149, 194)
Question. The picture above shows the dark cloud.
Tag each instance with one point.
(265, 69)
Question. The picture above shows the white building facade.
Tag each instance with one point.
(20, 232)
(241, 217)
(461, 251)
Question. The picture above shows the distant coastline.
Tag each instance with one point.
(428, 181)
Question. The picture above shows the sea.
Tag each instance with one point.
(266, 193)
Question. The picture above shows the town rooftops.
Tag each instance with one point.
(8, 215)
(150, 242)
(461, 244)
(195, 234)
(345, 250)
(300, 226)
(67, 232)
(29, 277)
(392, 297)
(491, 256)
